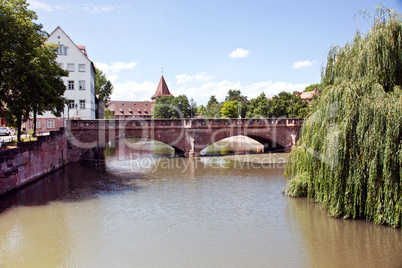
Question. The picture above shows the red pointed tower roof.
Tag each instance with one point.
(161, 90)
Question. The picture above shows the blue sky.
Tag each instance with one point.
(207, 47)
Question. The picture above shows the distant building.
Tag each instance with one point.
(307, 96)
(131, 109)
(80, 83)
(161, 90)
(138, 109)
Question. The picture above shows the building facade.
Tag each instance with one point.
(80, 83)
(126, 110)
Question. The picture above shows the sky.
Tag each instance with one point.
(207, 47)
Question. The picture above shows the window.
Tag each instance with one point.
(38, 124)
(50, 123)
(82, 104)
(71, 85)
(70, 67)
(81, 85)
(71, 104)
(62, 50)
(81, 67)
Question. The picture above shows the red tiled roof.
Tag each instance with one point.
(131, 108)
(161, 90)
(83, 50)
(307, 95)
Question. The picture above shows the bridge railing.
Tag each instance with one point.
(180, 123)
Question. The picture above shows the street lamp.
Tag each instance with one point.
(191, 103)
(268, 110)
(291, 108)
(179, 109)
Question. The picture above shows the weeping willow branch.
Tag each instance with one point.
(349, 155)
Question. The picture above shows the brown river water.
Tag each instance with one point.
(136, 209)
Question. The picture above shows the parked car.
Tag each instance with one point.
(6, 131)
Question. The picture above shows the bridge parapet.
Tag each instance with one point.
(182, 123)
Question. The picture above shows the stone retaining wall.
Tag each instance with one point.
(32, 160)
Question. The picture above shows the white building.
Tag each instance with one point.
(80, 83)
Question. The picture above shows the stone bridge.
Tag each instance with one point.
(187, 136)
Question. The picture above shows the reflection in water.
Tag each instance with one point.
(341, 243)
(138, 209)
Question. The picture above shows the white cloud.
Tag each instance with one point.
(99, 9)
(303, 64)
(200, 77)
(115, 67)
(132, 91)
(36, 5)
(239, 53)
(91, 8)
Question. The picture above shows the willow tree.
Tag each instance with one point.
(349, 156)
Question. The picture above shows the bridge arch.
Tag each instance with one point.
(241, 144)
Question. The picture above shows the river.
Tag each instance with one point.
(136, 209)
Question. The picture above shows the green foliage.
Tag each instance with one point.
(29, 74)
(229, 109)
(201, 110)
(185, 107)
(162, 107)
(312, 87)
(169, 107)
(103, 87)
(281, 106)
(109, 114)
(213, 108)
(258, 107)
(349, 155)
(242, 101)
(212, 101)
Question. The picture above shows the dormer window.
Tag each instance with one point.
(139, 111)
(121, 110)
(130, 111)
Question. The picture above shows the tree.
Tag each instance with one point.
(229, 109)
(201, 110)
(29, 75)
(162, 107)
(103, 87)
(177, 102)
(349, 154)
(213, 109)
(46, 86)
(169, 107)
(312, 87)
(212, 101)
(258, 107)
(280, 105)
(109, 114)
(242, 101)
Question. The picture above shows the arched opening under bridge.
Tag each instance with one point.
(241, 144)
